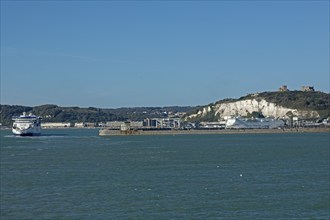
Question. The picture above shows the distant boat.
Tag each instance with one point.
(26, 125)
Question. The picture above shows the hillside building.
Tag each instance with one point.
(307, 88)
(283, 88)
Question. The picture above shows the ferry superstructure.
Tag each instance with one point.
(26, 125)
(257, 123)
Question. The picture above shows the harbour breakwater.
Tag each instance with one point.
(109, 132)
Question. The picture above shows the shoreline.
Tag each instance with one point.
(108, 132)
(105, 132)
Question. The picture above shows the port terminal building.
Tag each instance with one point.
(160, 123)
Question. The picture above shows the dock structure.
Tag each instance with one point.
(173, 132)
(148, 123)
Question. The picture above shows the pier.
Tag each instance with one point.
(109, 132)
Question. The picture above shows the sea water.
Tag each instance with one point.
(75, 174)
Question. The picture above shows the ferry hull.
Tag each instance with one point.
(26, 132)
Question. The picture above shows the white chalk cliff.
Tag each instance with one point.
(243, 107)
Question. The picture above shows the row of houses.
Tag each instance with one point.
(68, 125)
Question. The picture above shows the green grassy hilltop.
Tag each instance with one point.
(307, 101)
(54, 113)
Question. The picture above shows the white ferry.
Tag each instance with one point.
(258, 123)
(26, 125)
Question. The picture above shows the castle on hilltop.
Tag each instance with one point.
(284, 88)
(307, 88)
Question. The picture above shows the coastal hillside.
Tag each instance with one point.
(308, 105)
(54, 113)
(305, 105)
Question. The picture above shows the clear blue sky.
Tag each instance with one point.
(111, 54)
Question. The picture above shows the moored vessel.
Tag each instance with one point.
(26, 125)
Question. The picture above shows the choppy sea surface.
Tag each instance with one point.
(75, 174)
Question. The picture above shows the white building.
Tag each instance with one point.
(213, 125)
(241, 123)
(114, 124)
(119, 124)
(55, 125)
